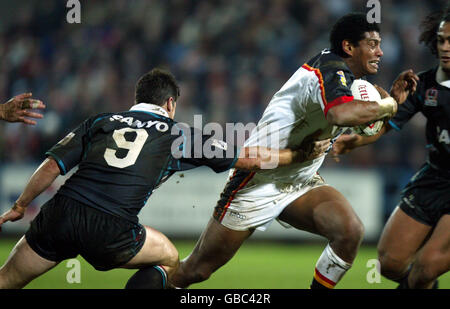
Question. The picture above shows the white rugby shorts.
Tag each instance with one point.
(250, 201)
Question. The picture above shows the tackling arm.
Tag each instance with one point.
(41, 179)
(256, 158)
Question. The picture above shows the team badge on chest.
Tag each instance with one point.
(431, 96)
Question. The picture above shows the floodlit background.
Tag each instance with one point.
(230, 57)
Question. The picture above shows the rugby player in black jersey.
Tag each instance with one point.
(414, 246)
(121, 157)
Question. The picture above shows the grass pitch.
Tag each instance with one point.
(257, 265)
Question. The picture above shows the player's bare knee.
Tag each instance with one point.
(422, 274)
(391, 270)
(390, 267)
(351, 232)
(358, 231)
(430, 265)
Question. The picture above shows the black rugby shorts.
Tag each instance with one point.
(426, 198)
(65, 228)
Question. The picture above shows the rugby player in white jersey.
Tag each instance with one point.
(316, 97)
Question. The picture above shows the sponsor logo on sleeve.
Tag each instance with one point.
(342, 78)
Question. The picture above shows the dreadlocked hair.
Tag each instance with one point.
(430, 26)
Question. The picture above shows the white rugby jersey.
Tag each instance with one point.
(299, 109)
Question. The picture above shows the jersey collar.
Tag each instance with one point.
(151, 108)
(441, 78)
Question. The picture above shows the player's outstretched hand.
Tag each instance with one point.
(18, 109)
(344, 144)
(12, 215)
(404, 85)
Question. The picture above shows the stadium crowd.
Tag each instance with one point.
(230, 57)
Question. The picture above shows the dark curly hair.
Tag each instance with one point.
(156, 87)
(350, 27)
(430, 26)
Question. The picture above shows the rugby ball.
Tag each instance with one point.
(365, 91)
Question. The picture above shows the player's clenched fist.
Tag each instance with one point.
(405, 84)
(18, 109)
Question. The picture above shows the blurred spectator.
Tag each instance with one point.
(230, 56)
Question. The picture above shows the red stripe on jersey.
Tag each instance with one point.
(319, 76)
(243, 184)
(337, 101)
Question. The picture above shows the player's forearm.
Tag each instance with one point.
(41, 179)
(365, 140)
(358, 112)
(257, 158)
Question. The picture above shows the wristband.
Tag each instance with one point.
(18, 208)
(387, 107)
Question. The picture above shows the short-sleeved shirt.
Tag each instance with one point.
(433, 100)
(122, 157)
(299, 109)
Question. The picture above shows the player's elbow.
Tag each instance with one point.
(51, 167)
(339, 118)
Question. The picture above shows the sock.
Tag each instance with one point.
(154, 277)
(329, 270)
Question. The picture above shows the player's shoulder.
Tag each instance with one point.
(90, 121)
(427, 80)
(327, 60)
(428, 76)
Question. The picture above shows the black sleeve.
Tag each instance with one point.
(198, 149)
(334, 80)
(68, 152)
(337, 80)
